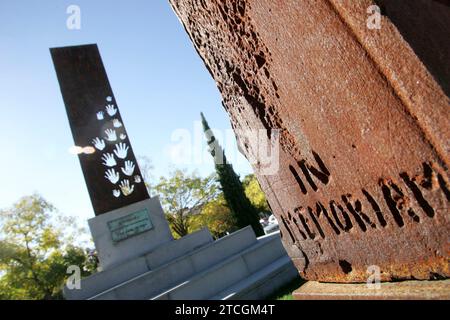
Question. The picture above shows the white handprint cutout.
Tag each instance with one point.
(111, 109)
(111, 135)
(137, 179)
(121, 150)
(125, 187)
(117, 123)
(100, 115)
(129, 168)
(99, 143)
(123, 136)
(108, 98)
(112, 176)
(116, 193)
(108, 160)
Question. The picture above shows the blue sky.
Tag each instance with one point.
(159, 81)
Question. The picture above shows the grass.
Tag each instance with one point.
(285, 292)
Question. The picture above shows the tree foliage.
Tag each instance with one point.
(254, 193)
(217, 217)
(35, 252)
(244, 212)
(184, 195)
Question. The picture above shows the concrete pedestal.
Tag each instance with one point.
(112, 253)
(404, 290)
(140, 260)
(238, 266)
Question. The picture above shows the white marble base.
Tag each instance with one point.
(112, 253)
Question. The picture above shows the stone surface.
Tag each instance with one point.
(263, 283)
(404, 290)
(174, 249)
(248, 274)
(362, 123)
(112, 253)
(237, 266)
(184, 267)
(104, 280)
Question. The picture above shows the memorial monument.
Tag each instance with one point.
(357, 91)
(139, 259)
(118, 194)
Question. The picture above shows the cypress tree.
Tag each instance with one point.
(242, 209)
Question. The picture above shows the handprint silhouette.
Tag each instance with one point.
(125, 187)
(112, 176)
(111, 135)
(108, 160)
(111, 110)
(121, 150)
(100, 115)
(116, 193)
(123, 136)
(99, 143)
(129, 168)
(137, 179)
(117, 123)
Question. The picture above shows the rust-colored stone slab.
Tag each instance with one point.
(363, 127)
(404, 290)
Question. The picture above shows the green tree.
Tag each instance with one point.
(217, 217)
(244, 212)
(35, 252)
(254, 193)
(184, 195)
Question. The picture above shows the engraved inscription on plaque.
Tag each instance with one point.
(130, 225)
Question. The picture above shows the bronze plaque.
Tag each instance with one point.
(130, 225)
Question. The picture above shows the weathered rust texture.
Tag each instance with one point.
(424, 25)
(363, 177)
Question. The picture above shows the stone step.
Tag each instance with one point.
(262, 283)
(168, 275)
(104, 280)
(233, 270)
